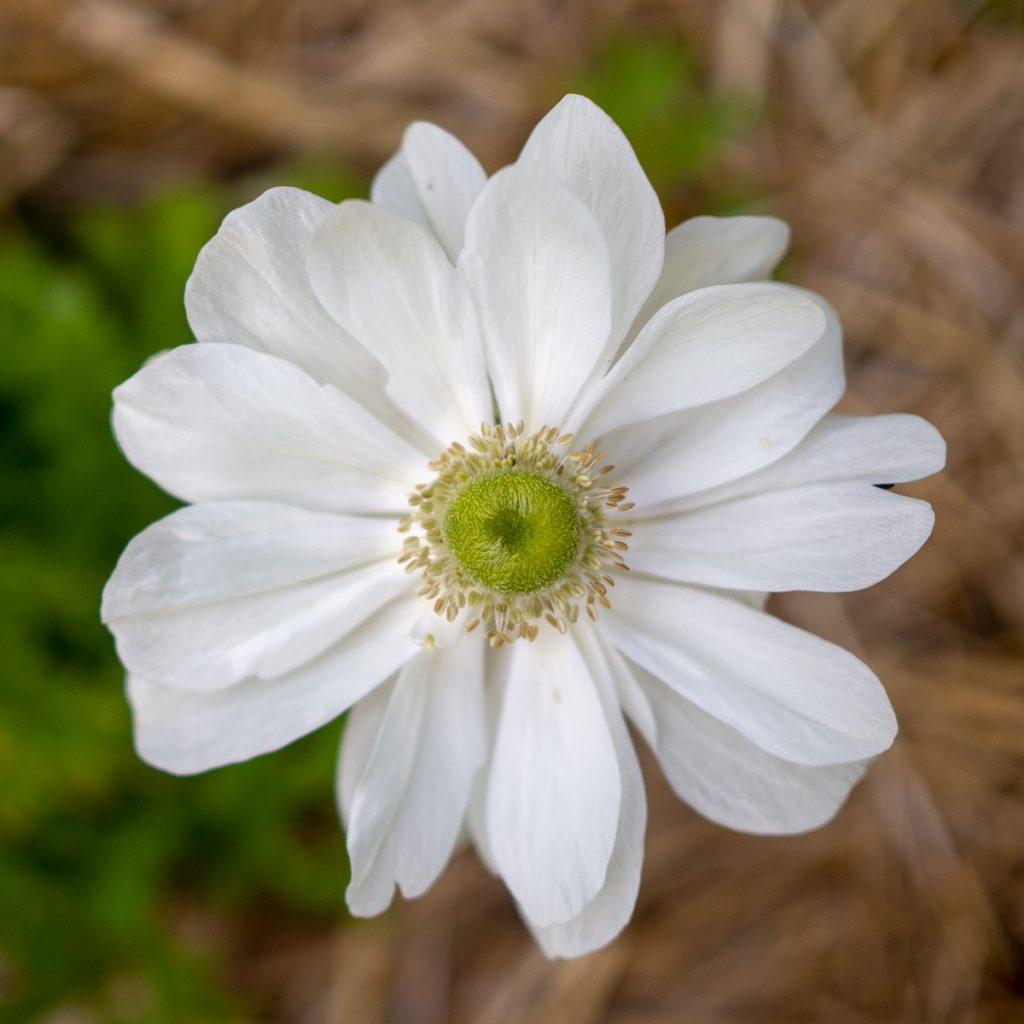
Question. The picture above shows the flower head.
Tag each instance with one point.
(496, 464)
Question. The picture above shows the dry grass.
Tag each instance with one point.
(893, 142)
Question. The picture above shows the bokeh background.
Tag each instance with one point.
(890, 133)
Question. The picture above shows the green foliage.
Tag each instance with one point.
(98, 849)
(1005, 12)
(651, 88)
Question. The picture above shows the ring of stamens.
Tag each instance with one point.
(548, 454)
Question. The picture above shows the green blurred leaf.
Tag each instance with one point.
(652, 90)
(99, 851)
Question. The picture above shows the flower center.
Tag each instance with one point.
(514, 532)
(513, 529)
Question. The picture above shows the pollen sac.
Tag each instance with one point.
(512, 531)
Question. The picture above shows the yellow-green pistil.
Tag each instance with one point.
(514, 532)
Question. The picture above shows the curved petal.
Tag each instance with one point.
(214, 593)
(537, 266)
(582, 146)
(694, 450)
(216, 422)
(202, 554)
(496, 668)
(701, 348)
(389, 283)
(610, 910)
(434, 180)
(408, 805)
(186, 732)
(704, 251)
(553, 796)
(362, 725)
(826, 537)
(888, 449)
(394, 188)
(723, 775)
(250, 287)
(793, 694)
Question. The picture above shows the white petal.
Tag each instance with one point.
(250, 287)
(448, 178)
(703, 251)
(554, 792)
(496, 669)
(408, 806)
(730, 780)
(701, 348)
(874, 449)
(362, 726)
(212, 422)
(213, 552)
(635, 703)
(186, 732)
(583, 147)
(214, 593)
(393, 187)
(433, 180)
(701, 448)
(610, 910)
(389, 283)
(887, 449)
(435, 631)
(793, 694)
(827, 537)
(537, 265)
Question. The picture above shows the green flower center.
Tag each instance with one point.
(515, 532)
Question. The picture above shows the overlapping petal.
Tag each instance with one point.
(874, 449)
(610, 910)
(433, 179)
(701, 348)
(389, 283)
(842, 449)
(496, 676)
(216, 592)
(827, 537)
(554, 789)
(697, 449)
(407, 806)
(537, 265)
(249, 287)
(582, 146)
(362, 726)
(185, 731)
(705, 251)
(722, 774)
(793, 694)
(393, 188)
(221, 422)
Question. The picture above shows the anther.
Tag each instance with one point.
(581, 582)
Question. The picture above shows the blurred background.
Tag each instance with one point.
(889, 133)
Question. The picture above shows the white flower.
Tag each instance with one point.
(357, 358)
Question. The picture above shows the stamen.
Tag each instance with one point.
(543, 474)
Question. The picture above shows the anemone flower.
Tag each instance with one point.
(493, 464)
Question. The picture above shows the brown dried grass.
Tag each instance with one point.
(893, 142)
